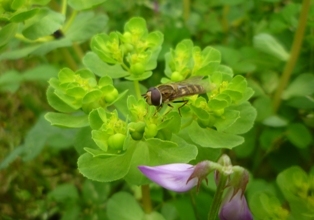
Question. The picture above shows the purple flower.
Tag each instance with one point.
(175, 177)
(178, 177)
(234, 207)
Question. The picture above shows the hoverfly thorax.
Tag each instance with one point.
(153, 96)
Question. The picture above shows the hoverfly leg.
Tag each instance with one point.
(157, 109)
(171, 107)
(185, 101)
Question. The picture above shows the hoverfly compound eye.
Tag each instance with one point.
(155, 96)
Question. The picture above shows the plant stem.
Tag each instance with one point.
(147, 203)
(214, 209)
(186, 10)
(69, 59)
(137, 89)
(69, 22)
(78, 50)
(295, 50)
(64, 7)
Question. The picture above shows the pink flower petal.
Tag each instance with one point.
(171, 176)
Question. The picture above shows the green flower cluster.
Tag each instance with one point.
(135, 50)
(109, 131)
(226, 92)
(72, 91)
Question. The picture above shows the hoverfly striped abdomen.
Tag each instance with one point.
(188, 90)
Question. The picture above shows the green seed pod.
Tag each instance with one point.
(137, 69)
(116, 141)
(151, 131)
(176, 76)
(136, 135)
(137, 130)
(127, 36)
(111, 96)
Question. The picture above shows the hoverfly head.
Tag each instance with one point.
(153, 96)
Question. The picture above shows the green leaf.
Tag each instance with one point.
(131, 209)
(299, 135)
(210, 55)
(83, 139)
(44, 23)
(16, 4)
(216, 104)
(85, 25)
(141, 77)
(17, 54)
(91, 97)
(96, 118)
(275, 121)
(153, 152)
(64, 192)
(293, 183)
(301, 102)
(268, 44)
(136, 26)
(227, 119)
(40, 2)
(154, 216)
(40, 73)
(6, 33)
(105, 169)
(246, 120)
(229, 56)
(264, 108)
(80, 5)
(100, 68)
(12, 156)
(270, 136)
(22, 16)
(301, 86)
(264, 206)
(10, 81)
(245, 149)
(66, 120)
(212, 138)
(57, 103)
(238, 83)
(154, 40)
(46, 47)
(244, 67)
(126, 85)
(41, 135)
(179, 59)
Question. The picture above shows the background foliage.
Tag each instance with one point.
(39, 175)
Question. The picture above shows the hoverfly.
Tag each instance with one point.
(169, 92)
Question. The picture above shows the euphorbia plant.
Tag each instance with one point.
(122, 131)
